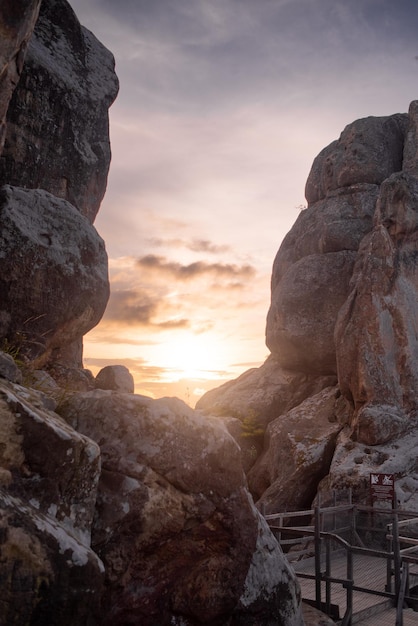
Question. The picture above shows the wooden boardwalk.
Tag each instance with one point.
(387, 617)
(369, 572)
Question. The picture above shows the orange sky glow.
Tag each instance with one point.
(223, 106)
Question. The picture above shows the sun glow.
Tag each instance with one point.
(196, 356)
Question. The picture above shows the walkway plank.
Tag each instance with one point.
(369, 572)
(388, 618)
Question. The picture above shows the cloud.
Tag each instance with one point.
(131, 307)
(195, 270)
(140, 308)
(195, 245)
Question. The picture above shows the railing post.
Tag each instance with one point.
(280, 531)
(350, 578)
(396, 554)
(401, 597)
(317, 519)
(327, 577)
(389, 528)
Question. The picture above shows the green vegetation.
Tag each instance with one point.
(251, 425)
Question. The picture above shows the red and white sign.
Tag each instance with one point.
(382, 487)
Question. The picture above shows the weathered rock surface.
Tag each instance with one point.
(367, 151)
(57, 122)
(131, 510)
(53, 274)
(17, 21)
(376, 333)
(345, 301)
(49, 475)
(335, 224)
(262, 393)
(46, 575)
(353, 462)
(299, 447)
(175, 527)
(115, 378)
(304, 309)
(45, 462)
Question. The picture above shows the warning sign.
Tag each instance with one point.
(382, 487)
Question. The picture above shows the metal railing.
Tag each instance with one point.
(352, 530)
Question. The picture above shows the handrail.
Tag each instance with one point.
(323, 533)
(397, 558)
(273, 516)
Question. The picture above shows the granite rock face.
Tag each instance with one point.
(263, 393)
(311, 276)
(344, 302)
(367, 151)
(299, 446)
(130, 510)
(17, 21)
(57, 86)
(49, 475)
(175, 527)
(57, 122)
(53, 275)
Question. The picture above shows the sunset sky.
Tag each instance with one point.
(223, 106)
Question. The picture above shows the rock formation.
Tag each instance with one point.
(17, 21)
(175, 520)
(344, 303)
(115, 378)
(48, 482)
(57, 141)
(119, 509)
(114, 508)
(57, 123)
(57, 290)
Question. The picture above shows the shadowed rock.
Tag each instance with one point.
(175, 527)
(17, 21)
(57, 122)
(48, 483)
(53, 274)
(299, 447)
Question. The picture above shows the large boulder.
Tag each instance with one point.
(334, 224)
(298, 451)
(311, 277)
(176, 528)
(17, 21)
(115, 378)
(367, 151)
(303, 311)
(53, 275)
(47, 463)
(46, 575)
(57, 122)
(313, 268)
(344, 301)
(262, 393)
(49, 475)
